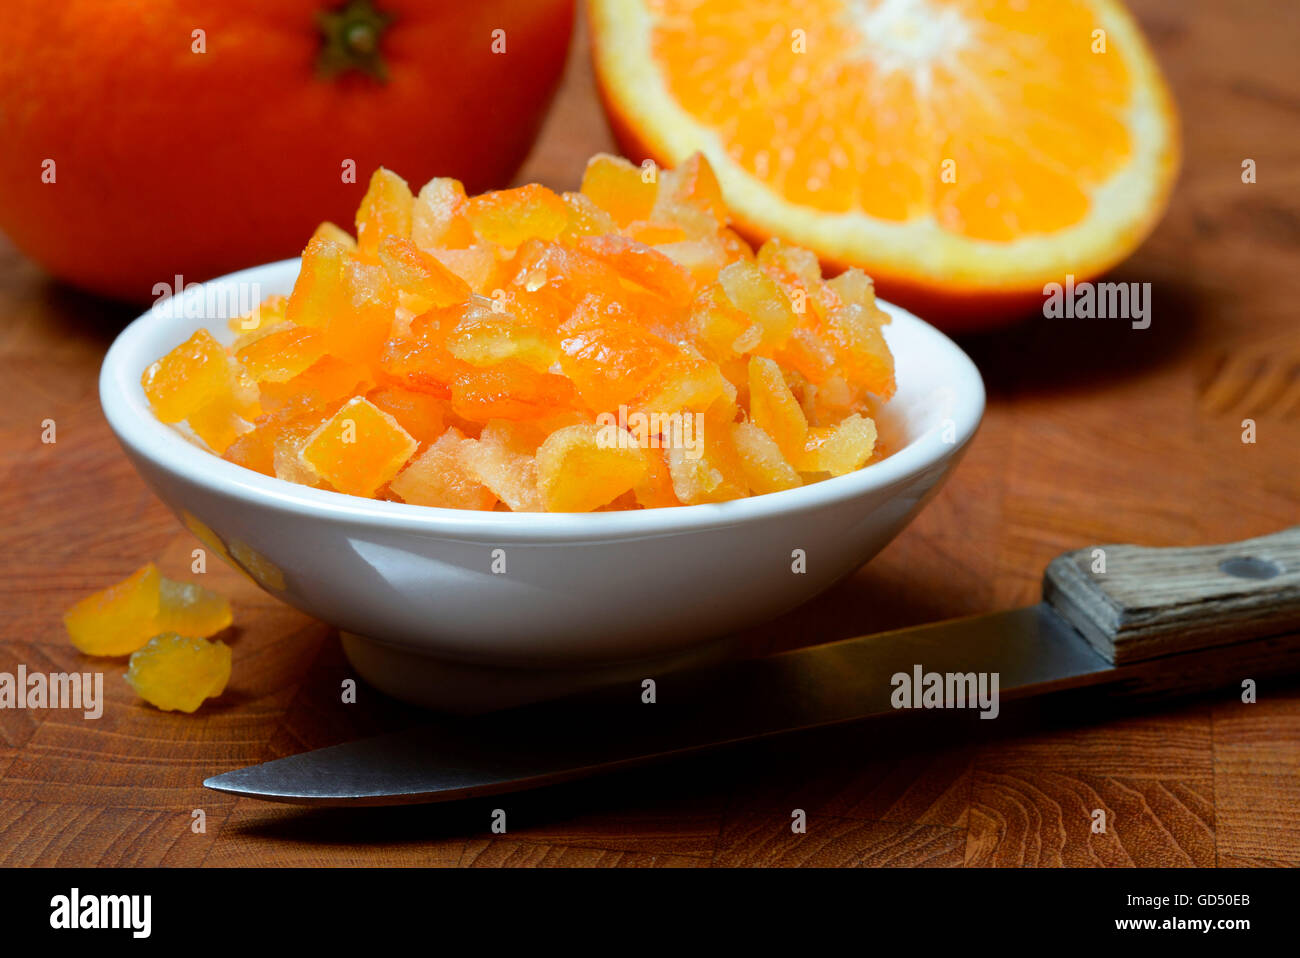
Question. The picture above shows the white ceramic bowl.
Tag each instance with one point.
(415, 584)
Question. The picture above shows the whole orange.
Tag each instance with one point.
(141, 141)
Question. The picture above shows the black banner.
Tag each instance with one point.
(327, 907)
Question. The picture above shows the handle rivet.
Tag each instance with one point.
(1249, 567)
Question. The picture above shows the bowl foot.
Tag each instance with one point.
(466, 689)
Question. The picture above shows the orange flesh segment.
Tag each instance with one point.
(882, 125)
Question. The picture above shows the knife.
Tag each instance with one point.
(1122, 618)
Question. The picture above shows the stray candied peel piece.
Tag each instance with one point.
(191, 609)
(119, 619)
(177, 673)
(470, 352)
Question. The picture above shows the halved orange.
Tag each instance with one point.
(963, 152)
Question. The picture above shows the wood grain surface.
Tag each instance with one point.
(1095, 433)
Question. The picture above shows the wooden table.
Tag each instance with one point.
(1094, 433)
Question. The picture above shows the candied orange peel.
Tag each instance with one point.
(176, 673)
(614, 348)
(121, 618)
(164, 625)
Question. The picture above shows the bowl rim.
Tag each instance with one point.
(142, 434)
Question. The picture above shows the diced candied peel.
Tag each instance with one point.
(439, 216)
(439, 477)
(701, 258)
(855, 287)
(385, 211)
(218, 425)
(280, 355)
(585, 218)
(358, 331)
(654, 490)
(421, 415)
(756, 293)
(641, 264)
(723, 328)
(622, 190)
(765, 469)
(466, 333)
(121, 618)
(509, 390)
(421, 273)
(486, 336)
(710, 470)
(838, 449)
(691, 197)
(808, 354)
(266, 315)
(503, 459)
(860, 345)
(687, 383)
(296, 418)
(327, 379)
(319, 291)
(774, 408)
(358, 449)
(336, 234)
(511, 217)
(178, 673)
(475, 264)
(190, 609)
(611, 361)
(585, 466)
(193, 375)
(792, 266)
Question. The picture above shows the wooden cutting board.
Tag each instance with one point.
(1094, 433)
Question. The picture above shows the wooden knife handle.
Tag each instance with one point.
(1134, 603)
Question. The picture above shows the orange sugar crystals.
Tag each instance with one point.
(619, 347)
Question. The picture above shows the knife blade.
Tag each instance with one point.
(1246, 597)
